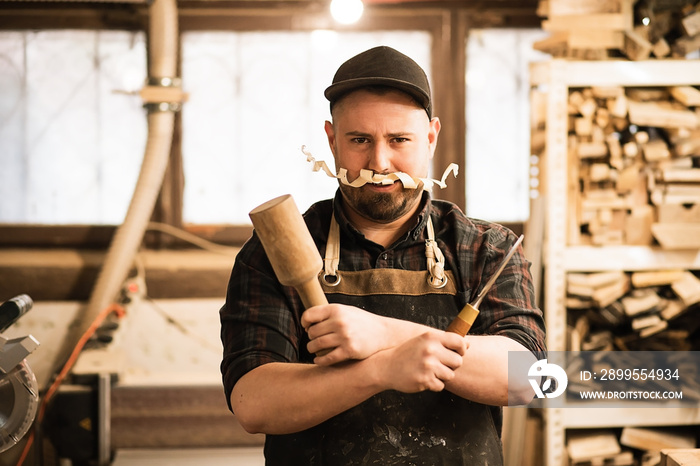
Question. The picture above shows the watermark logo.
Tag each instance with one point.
(551, 373)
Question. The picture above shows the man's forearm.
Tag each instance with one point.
(280, 398)
(483, 376)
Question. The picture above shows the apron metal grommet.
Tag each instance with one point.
(440, 284)
(334, 283)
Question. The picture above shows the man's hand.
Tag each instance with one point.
(425, 362)
(341, 333)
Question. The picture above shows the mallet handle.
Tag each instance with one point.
(311, 293)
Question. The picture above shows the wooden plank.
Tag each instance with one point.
(653, 330)
(638, 303)
(602, 295)
(618, 106)
(680, 457)
(645, 438)
(628, 179)
(687, 95)
(646, 94)
(583, 127)
(656, 150)
(691, 24)
(635, 46)
(615, 150)
(595, 39)
(687, 147)
(661, 115)
(578, 7)
(578, 73)
(607, 92)
(687, 289)
(678, 213)
(611, 293)
(625, 458)
(584, 445)
(556, 44)
(689, 190)
(655, 278)
(594, 201)
(661, 49)
(613, 21)
(646, 322)
(677, 235)
(599, 172)
(595, 280)
(70, 274)
(638, 226)
(673, 309)
(675, 194)
(144, 417)
(682, 175)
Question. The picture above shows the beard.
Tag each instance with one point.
(381, 207)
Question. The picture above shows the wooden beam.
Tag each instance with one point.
(60, 274)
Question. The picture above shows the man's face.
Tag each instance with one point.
(384, 133)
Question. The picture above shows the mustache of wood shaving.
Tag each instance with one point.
(368, 176)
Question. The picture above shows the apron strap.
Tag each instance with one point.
(332, 258)
(435, 258)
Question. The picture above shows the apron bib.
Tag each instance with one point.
(394, 428)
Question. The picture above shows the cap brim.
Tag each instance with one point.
(338, 90)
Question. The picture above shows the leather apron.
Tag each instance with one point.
(394, 428)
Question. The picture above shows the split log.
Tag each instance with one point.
(585, 445)
(661, 114)
(647, 438)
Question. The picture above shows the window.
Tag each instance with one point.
(254, 99)
(498, 122)
(71, 145)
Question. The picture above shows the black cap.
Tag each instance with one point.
(381, 66)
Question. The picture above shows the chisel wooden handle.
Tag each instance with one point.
(290, 247)
(464, 320)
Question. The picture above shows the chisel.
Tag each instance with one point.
(466, 317)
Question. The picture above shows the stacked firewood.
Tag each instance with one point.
(633, 446)
(637, 154)
(638, 30)
(642, 311)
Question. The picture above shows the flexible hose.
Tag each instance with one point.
(163, 40)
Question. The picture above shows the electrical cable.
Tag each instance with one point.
(119, 311)
(193, 239)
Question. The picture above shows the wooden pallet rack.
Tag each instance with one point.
(556, 77)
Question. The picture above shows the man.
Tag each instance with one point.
(373, 378)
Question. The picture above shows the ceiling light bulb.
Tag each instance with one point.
(346, 11)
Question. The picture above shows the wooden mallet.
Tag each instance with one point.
(290, 248)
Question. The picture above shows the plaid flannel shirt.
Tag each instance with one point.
(261, 319)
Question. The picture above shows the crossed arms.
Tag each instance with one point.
(365, 354)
